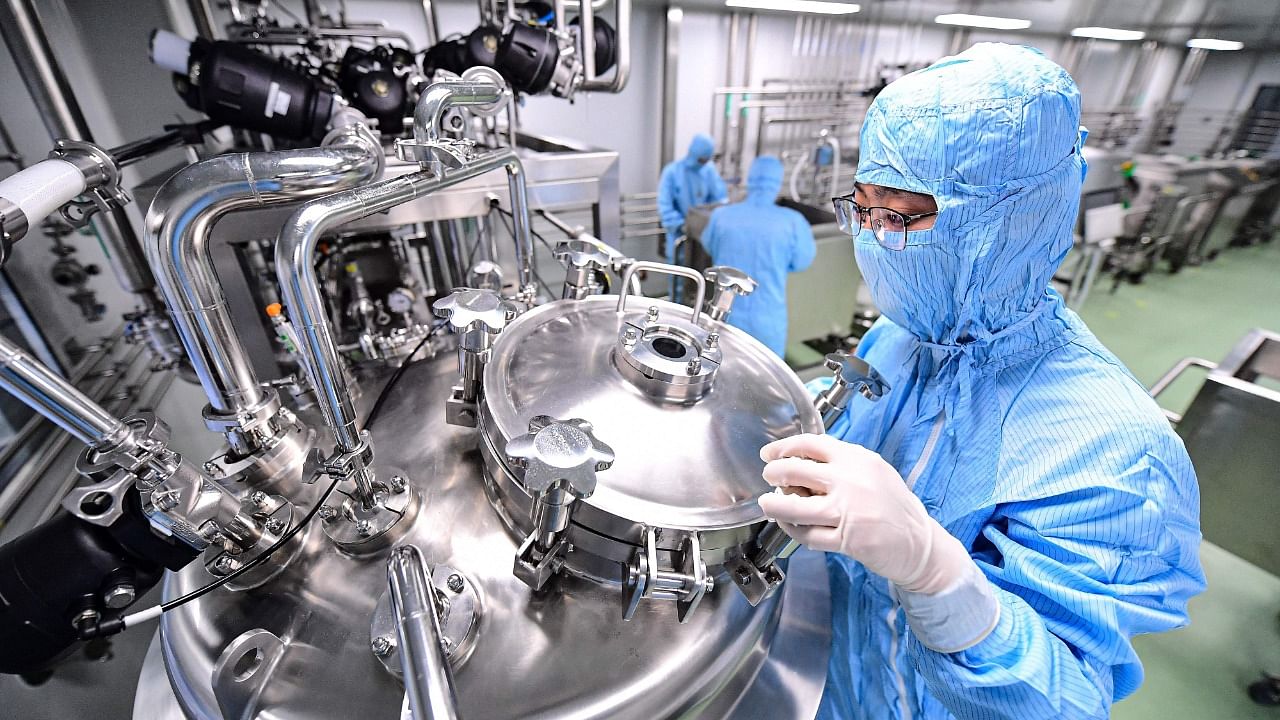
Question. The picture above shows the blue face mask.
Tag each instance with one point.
(915, 286)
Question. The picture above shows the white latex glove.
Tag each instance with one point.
(844, 498)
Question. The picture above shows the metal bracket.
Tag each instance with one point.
(534, 567)
(102, 178)
(243, 671)
(686, 583)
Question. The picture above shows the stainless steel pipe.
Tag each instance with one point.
(54, 397)
(428, 682)
(179, 224)
(301, 289)
(441, 96)
(622, 69)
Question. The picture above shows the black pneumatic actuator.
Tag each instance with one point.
(244, 88)
(69, 571)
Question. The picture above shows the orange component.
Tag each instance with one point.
(274, 310)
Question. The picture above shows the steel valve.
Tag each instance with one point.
(582, 261)
(852, 374)
(477, 316)
(560, 459)
(727, 285)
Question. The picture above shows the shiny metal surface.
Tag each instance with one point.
(677, 466)
(428, 681)
(295, 253)
(1230, 430)
(179, 224)
(561, 653)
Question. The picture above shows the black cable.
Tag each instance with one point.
(395, 377)
(532, 265)
(115, 625)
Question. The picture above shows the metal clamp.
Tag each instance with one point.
(477, 316)
(582, 260)
(685, 584)
(727, 285)
(852, 374)
(560, 459)
(665, 269)
(102, 180)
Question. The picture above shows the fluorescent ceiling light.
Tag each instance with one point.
(983, 21)
(805, 6)
(1106, 33)
(1212, 44)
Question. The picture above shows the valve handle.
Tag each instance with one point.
(469, 310)
(730, 279)
(582, 254)
(857, 373)
(559, 454)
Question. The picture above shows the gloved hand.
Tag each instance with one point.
(844, 498)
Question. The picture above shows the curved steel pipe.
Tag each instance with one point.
(301, 289)
(178, 227)
(441, 96)
(622, 70)
(428, 682)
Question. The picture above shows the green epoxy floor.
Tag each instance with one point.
(1201, 671)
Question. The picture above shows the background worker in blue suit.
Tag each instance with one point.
(1015, 508)
(685, 184)
(766, 242)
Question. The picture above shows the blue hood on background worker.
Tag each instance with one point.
(764, 180)
(701, 146)
(993, 135)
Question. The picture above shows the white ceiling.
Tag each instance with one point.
(1253, 22)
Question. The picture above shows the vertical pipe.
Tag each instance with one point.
(731, 57)
(670, 64)
(432, 21)
(202, 16)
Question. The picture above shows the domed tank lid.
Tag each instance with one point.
(684, 402)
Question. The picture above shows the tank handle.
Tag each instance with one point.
(665, 269)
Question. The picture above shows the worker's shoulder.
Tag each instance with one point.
(1078, 407)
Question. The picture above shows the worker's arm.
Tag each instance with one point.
(671, 216)
(803, 248)
(1072, 578)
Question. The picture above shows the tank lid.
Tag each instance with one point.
(685, 406)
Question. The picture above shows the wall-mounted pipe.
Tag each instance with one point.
(179, 224)
(45, 79)
(295, 253)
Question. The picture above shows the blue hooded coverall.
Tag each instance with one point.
(1022, 435)
(766, 242)
(685, 184)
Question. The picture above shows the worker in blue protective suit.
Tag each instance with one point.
(1015, 508)
(685, 184)
(766, 242)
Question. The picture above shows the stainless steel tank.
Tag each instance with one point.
(585, 484)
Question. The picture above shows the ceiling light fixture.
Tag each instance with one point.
(804, 6)
(1212, 44)
(983, 21)
(1106, 33)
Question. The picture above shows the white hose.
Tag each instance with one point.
(43, 188)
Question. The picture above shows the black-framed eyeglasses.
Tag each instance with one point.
(888, 225)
